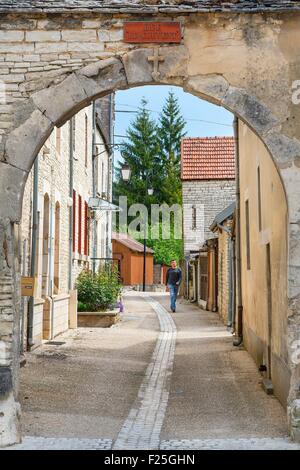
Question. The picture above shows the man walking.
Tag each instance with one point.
(173, 280)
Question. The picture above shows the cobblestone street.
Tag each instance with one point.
(154, 381)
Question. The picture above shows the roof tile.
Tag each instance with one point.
(205, 158)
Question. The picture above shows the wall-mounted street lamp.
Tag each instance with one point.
(125, 172)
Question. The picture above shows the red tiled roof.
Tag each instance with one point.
(205, 158)
(132, 244)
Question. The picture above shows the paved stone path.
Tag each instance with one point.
(141, 429)
(52, 443)
(230, 444)
(47, 443)
(158, 400)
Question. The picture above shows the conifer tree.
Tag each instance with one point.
(141, 152)
(170, 132)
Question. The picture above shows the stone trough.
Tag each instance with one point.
(99, 319)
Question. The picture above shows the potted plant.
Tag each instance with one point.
(98, 294)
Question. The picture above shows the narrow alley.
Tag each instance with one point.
(153, 381)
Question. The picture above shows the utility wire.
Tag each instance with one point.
(158, 112)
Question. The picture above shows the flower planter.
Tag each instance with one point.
(99, 319)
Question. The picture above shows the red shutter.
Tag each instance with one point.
(85, 228)
(79, 223)
(74, 221)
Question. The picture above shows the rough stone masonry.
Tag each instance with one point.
(56, 57)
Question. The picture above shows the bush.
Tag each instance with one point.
(99, 291)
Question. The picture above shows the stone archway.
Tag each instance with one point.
(45, 104)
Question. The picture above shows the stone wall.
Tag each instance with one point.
(150, 6)
(209, 197)
(259, 277)
(54, 180)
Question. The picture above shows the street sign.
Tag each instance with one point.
(27, 286)
(150, 31)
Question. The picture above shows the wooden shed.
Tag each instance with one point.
(130, 256)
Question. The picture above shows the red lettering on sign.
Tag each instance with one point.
(163, 32)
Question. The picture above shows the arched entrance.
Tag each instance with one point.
(255, 86)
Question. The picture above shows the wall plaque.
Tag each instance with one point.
(28, 286)
(148, 31)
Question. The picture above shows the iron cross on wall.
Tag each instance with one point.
(156, 59)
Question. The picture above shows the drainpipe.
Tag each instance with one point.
(230, 276)
(50, 286)
(238, 317)
(34, 236)
(214, 275)
(71, 185)
(94, 189)
(109, 175)
(23, 300)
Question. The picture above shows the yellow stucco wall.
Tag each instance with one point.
(253, 154)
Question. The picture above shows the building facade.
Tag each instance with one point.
(61, 234)
(208, 185)
(129, 254)
(263, 215)
(224, 227)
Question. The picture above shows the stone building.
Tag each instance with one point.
(56, 60)
(67, 233)
(224, 227)
(208, 185)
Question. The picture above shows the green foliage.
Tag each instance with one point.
(169, 133)
(152, 151)
(141, 152)
(165, 249)
(99, 291)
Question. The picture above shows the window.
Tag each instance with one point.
(86, 230)
(247, 215)
(79, 223)
(74, 221)
(56, 248)
(259, 199)
(194, 218)
(86, 141)
(58, 141)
